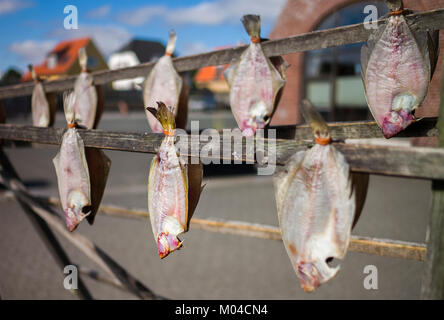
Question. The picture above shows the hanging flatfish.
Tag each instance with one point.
(163, 83)
(43, 106)
(397, 65)
(255, 82)
(72, 171)
(174, 188)
(317, 201)
(86, 95)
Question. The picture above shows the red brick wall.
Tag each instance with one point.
(301, 16)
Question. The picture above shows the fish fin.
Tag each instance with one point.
(182, 106)
(229, 72)
(252, 24)
(427, 42)
(283, 177)
(433, 45)
(360, 187)
(195, 176)
(83, 58)
(315, 120)
(32, 71)
(394, 5)
(69, 100)
(98, 165)
(171, 43)
(100, 105)
(164, 115)
(364, 61)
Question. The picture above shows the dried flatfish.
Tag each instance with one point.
(255, 82)
(174, 188)
(317, 201)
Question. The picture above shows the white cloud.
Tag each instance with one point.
(31, 51)
(107, 38)
(194, 48)
(99, 12)
(141, 15)
(8, 6)
(222, 11)
(215, 12)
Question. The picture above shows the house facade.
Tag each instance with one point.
(137, 51)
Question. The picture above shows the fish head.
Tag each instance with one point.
(312, 274)
(395, 121)
(259, 116)
(167, 243)
(78, 209)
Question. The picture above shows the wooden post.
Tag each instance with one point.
(433, 278)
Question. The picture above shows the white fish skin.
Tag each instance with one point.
(316, 208)
(86, 100)
(39, 106)
(168, 198)
(254, 84)
(73, 179)
(163, 83)
(396, 71)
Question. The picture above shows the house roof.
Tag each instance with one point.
(66, 51)
(211, 73)
(145, 50)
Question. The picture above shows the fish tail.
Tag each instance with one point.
(83, 58)
(316, 122)
(165, 116)
(171, 43)
(252, 24)
(68, 105)
(33, 74)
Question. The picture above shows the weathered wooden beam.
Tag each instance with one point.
(432, 286)
(433, 19)
(413, 162)
(381, 247)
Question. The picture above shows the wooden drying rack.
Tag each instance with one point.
(411, 162)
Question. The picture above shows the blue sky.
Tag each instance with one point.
(30, 28)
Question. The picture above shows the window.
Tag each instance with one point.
(333, 75)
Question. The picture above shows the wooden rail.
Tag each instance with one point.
(403, 161)
(433, 19)
(375, 246)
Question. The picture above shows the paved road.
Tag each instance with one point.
(211, 265)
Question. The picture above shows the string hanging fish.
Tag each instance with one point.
(174, 188)
(43, 106)
(87, 99)
(317, 202)
(255, 82)
(163, 83)
(72, 171)
(397, 65)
